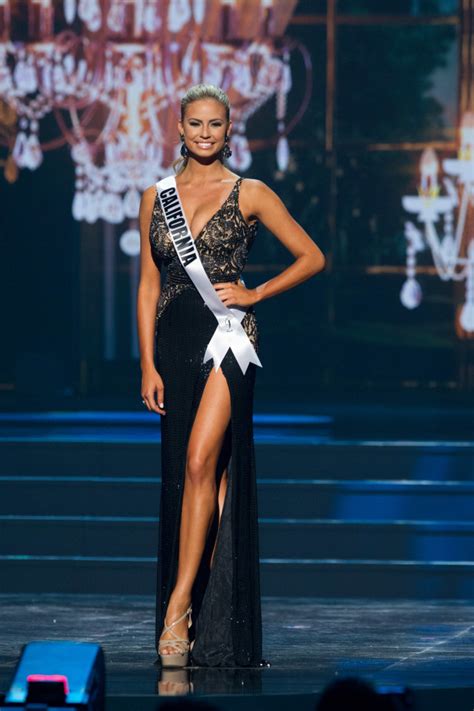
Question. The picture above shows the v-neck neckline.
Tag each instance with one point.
(212, 216)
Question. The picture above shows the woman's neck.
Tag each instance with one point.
(202, 173)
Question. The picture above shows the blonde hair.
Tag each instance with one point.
(196, 92)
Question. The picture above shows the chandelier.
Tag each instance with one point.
(453, 252)
(112, 73)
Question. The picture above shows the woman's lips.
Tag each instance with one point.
(204, 144)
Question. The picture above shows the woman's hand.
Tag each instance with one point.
(153, 390)
(235, 293)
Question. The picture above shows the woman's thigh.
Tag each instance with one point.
(209, 426)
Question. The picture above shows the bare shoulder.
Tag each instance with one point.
(254, 188)
(147, 204)
(149, 194)
(258, 198)
(148, 199)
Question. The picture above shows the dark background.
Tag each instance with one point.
(388, 87)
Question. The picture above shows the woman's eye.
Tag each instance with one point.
(214, 125)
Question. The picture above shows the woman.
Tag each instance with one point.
(208, 586)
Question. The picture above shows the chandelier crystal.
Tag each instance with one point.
(112, 73)
(453, 251)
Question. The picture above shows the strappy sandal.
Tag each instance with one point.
(180, 658)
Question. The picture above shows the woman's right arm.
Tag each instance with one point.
(152, 388)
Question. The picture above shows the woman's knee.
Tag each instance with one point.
(200, 470)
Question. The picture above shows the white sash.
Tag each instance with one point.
(229, 332)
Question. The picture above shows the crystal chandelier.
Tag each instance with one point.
(112, 73)
(453, 253)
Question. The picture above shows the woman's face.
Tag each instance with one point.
(204, 127)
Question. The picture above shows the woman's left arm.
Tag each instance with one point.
(258, 200)
(265, 204)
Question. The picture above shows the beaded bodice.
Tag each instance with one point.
(223, 245)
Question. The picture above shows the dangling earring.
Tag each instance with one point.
(226, 151)
(184, 149)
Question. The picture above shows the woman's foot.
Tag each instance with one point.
(176, 608)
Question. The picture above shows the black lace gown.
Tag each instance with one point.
(227, 626)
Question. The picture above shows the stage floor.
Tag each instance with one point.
(308, 641)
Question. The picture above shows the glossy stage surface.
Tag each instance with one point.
(366, 527)
(425, 644)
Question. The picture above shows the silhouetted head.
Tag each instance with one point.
(350, 694)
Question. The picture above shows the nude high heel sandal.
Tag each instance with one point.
(180, 658)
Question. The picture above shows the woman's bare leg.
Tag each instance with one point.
(199, 495)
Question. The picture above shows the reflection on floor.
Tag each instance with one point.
(372, 501)
(309, 642)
